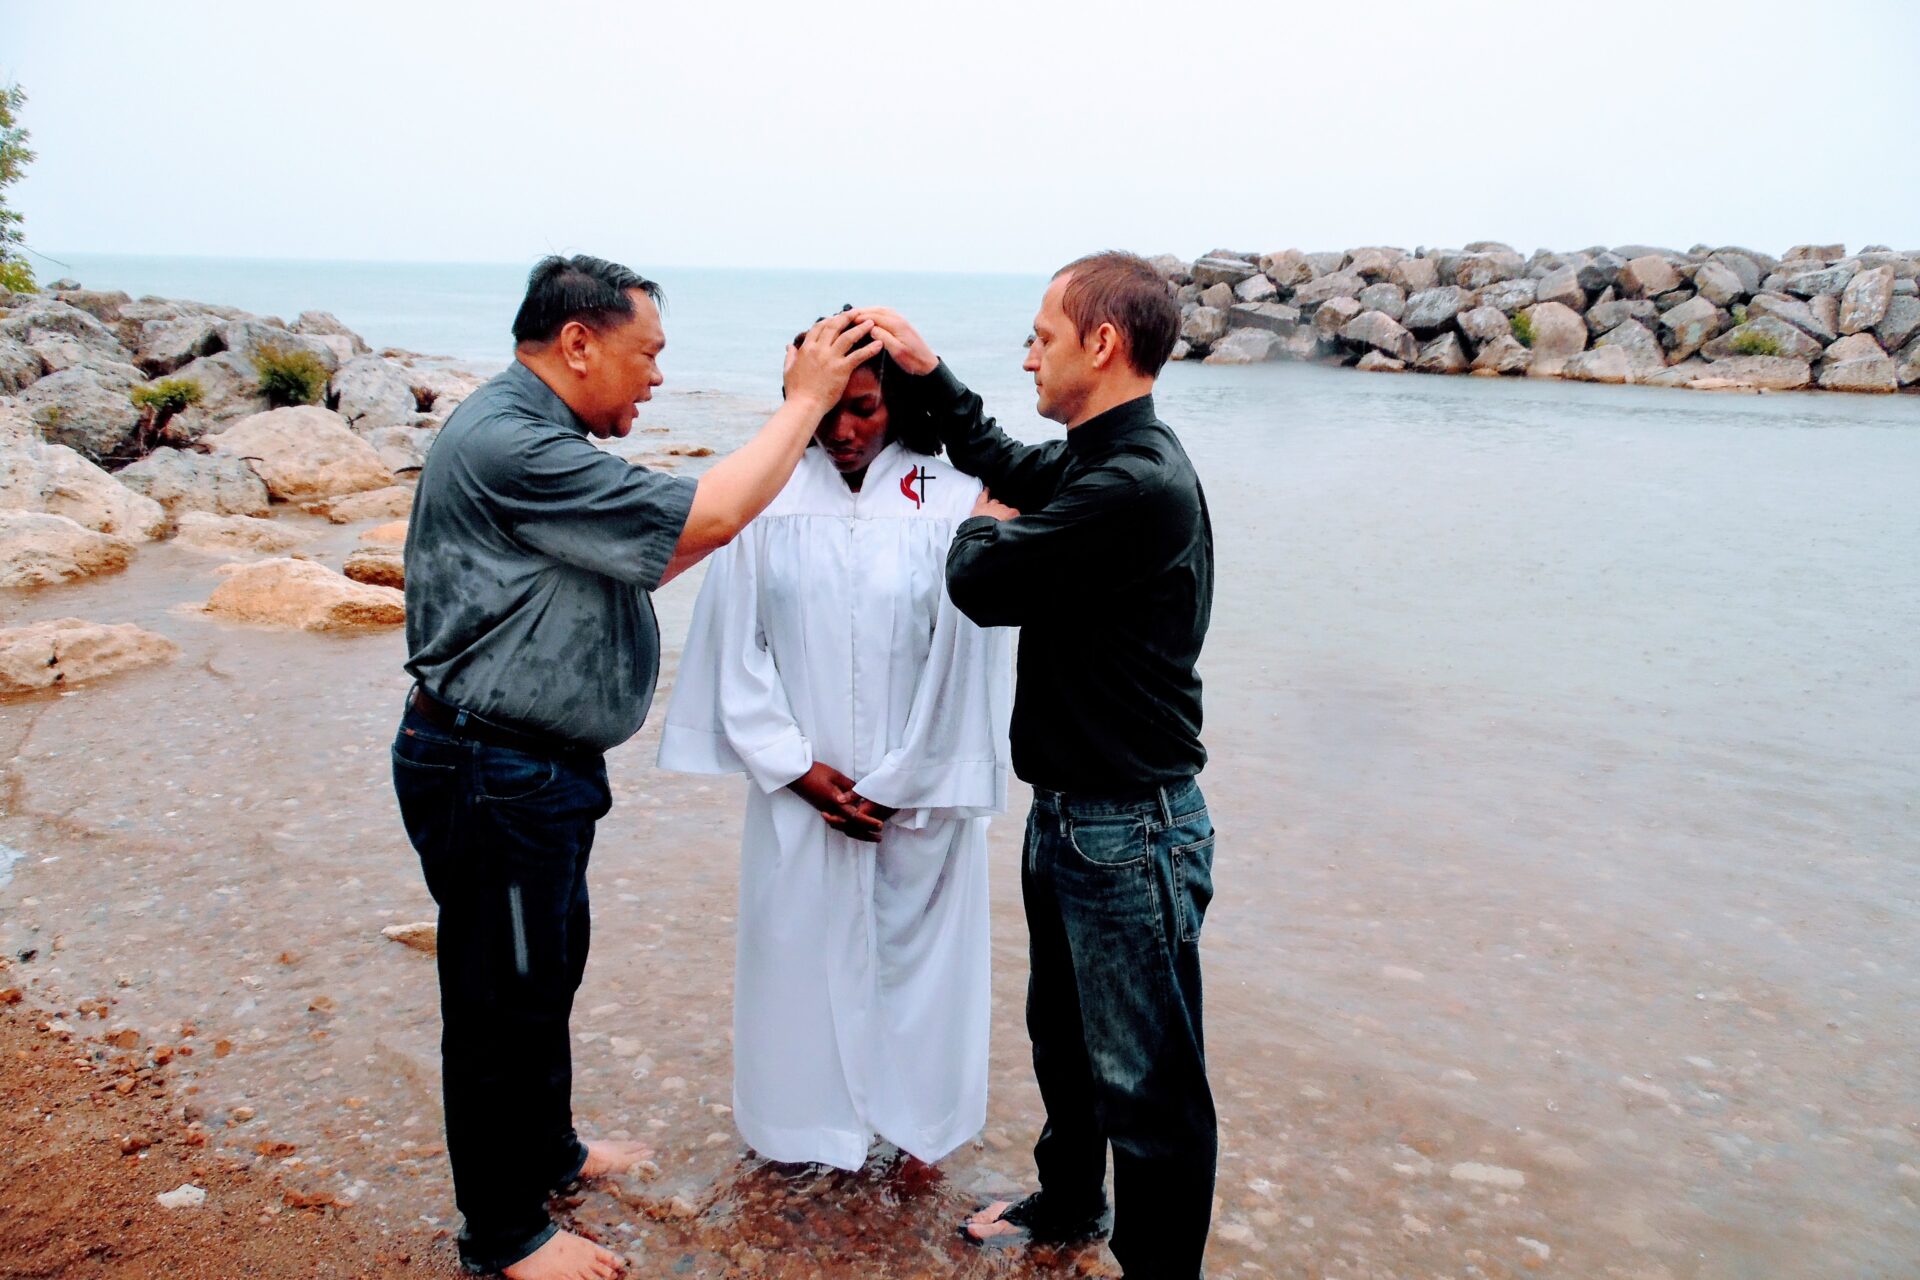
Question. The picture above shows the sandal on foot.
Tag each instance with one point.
(1035, 1221)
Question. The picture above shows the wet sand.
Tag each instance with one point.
(1561, 928)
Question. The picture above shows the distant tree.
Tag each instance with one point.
(15, 275)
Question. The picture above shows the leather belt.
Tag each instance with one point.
(465, 724)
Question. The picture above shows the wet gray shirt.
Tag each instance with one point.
(530, 554)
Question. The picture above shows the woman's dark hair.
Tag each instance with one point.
(590, 290)
(907, 420)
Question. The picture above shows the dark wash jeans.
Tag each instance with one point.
(503, 838)
(1115, 893)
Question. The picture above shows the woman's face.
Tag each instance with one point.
(855, 431)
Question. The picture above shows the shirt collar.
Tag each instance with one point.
(1102, 431)
(543, 399)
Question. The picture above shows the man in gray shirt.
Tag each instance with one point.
(532, 640)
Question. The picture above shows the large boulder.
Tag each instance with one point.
(377, 567)
(1338, 284)
(1217, 296)
(375, 392)
(251, 337)
(1826, 310)
(1385, 297)
(1821, 282)
(1686, 328)
(88, 410)
(1601, 271)
(37, 549)
(1222, 269)
(1868, 373)
(1204, 326)
(1373, 265)
(229, 390)
(1245, 346)
(1766, 336)
(1737, 373)
(1379, 362)
(300, 593)
(1334, 314)
(20, 366)
(1484, 324)
(1648, 275)
(1505, 355)
(324, 324)
(1561, 285)
(1718, 284)
(1558, 334)
(1255, 288)
(182, 482)
(1414, 275)
(168, 342)
(1602, 316)
(1287, 268)
(231, 535)
(103, 305)
(1794, 312)
(1510, 295)
(41, 317)
(1814, 253)
(52, 478)
(1443, 354)
(305, 452)
(403, 450)
(1431, 310)
(1645, 356)
(1900, 324)
(1478, 270)
(391, 503)
(1602, 364)
(1864, 302)
(1906, 365)
(1276, 317)
(1382, 332)
(68, 651)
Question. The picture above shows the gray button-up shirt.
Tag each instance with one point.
(530, 554)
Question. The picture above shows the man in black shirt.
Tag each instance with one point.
(1099, 548)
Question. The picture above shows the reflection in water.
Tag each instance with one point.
(1564, 754)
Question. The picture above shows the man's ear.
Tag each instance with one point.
(1105, 347)
(573, 344)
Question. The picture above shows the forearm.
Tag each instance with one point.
(740, 485)
(1018, 474)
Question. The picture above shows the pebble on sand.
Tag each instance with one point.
(184, 1196)
(421, 935)
(1491, 1175)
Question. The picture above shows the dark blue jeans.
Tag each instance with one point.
(1115, 891)
(503, 838)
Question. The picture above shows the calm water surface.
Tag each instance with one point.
(1566, 751)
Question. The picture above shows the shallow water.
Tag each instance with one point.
(1566, 750)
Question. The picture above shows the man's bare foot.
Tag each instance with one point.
(566, 1256)
(988, 1224)
(606, 1157)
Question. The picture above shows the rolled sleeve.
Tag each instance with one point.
(589, 508)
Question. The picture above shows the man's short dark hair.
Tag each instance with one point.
(590, 290)
(1125, 291)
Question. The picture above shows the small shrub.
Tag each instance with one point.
(167, 397)
(1739, 313)
(16, 277)
(290, 377)
(1755, 343)
(1522, 326)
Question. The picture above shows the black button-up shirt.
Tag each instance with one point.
(1108, 572)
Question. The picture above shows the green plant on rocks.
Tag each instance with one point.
(1522, 326)
(15, 275)
(159, 401)
(1755, 343)
(290, 377)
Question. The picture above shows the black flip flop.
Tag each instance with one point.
(1038, 1224)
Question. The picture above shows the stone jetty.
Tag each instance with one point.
(1728, 318)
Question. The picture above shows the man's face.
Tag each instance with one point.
(1063, 376)
(623, 368)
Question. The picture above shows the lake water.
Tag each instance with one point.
(1566, 756)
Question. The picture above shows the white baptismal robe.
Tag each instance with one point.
(824, 632)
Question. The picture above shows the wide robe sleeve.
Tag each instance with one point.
(954, 760)
(729, 711)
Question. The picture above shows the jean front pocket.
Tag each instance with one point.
(1109, 843)
(508, 777)
(1192, 885)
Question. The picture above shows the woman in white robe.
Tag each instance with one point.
(826, 662)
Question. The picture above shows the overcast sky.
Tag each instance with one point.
(985, 135)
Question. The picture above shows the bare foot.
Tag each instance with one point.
(988, 1224)
(566, 1256)
(606, 1157)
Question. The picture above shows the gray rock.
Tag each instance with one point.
(1373, 264)
(1906, 366)
(1718, 284)
(1256, 288)
(1645, 356)
(1793, 311)
(87, 410)
(43, 317)
(1900, 324)
(1647, 275)
(1601, 271)
(1201, 328)
(1559, 334)
(102, 305)
(1562, 285)
(1603, 316)
(1340, 284)
(1485, 324)
(1826, 309)
(1874, 373)
(63, 284)
(1334, 314)
(1384, 297)
(1864, 302)
(1503, 355)
(1245, 346)
(1602, 364)
(1325, 264)
(1414, 275)
(1288, 268)
(1744, 373)
(1218, 295)
(1380, 362)
(404, 448)
(324, 324)
(1274, 317)
(250, 337)
(1855, 346)
(183, 482)
(1816, 252)
(1902, 266)
(1176, 269)
(1181, 350)
(1511, 295)
(1821, 282)
(1683, 329)
(1188, 295)
(372, 391)
(1229, 271)
(229, 389)
(1478, 270)
(20, 366)
(1744, 268)
(165, 345)
(1443, 354)
(1432, 310)
(1382, 332)
(1785, 339)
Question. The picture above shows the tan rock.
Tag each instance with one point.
(1864, 303)
(1738, 373)
(378, 566)
(1646, 276)
(1602, 364)
(66, 651)
(305, 452)
(391, 534)
(421, 935)
(376, 504)
(1559, 334)
(1379, 362)
(1444, 354)
(300, 593)
(37, 549)
(1382, 332)
(52, 478)
(1502, 355)
(1414, 275)
(182, 481)
(1870, 373)
(204, 531)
